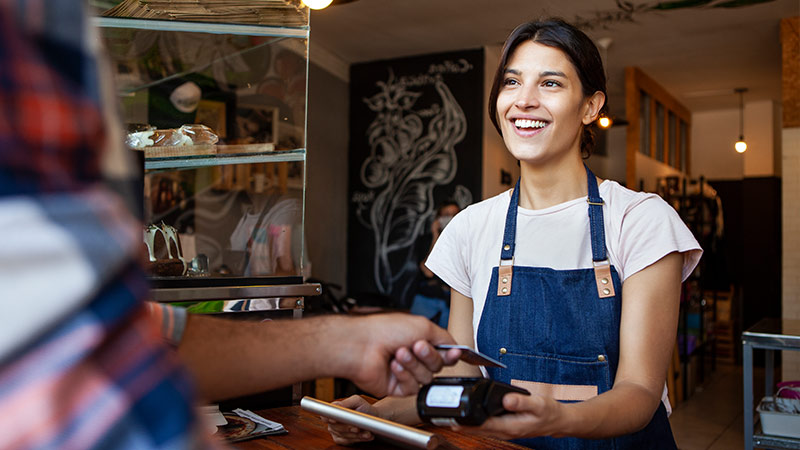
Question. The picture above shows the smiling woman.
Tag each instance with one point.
(575, 53)
(538, 283)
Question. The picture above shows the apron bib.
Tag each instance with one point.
(558, 331)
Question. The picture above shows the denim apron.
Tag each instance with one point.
(560, 329)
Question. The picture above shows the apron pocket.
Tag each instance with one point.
(565, 378)
(563, 392)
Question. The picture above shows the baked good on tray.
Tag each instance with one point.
(175, 137)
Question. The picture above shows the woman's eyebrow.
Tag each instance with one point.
(552, 73)
(546, 73)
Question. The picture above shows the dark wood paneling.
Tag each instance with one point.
(751, 250)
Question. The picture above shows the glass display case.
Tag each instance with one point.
(213, 99)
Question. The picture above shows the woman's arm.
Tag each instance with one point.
(650, 306)
(648, 326)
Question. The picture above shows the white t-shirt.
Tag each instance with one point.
(640, 229)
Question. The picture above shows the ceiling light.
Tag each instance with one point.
(604, 122)
(741, 145)
(317, 4)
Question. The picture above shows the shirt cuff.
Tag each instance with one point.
(171, 321)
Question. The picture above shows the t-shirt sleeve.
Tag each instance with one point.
(651, 229)
(449, 258)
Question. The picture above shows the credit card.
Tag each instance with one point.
(473, 357)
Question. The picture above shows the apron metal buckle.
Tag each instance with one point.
(504, 274)
(602, 277)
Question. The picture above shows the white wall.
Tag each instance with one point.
(715, 132)
(759, 133)
(713, 136)
(791, 240)
(495, 155)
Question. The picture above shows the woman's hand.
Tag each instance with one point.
(528, 416)
(344, 434)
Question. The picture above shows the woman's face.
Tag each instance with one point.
(540, 104)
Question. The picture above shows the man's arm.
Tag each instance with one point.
(386, 354)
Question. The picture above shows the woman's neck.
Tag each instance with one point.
(549, 185)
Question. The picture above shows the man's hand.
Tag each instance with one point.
(392, 354)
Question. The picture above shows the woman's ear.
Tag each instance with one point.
(593, 106)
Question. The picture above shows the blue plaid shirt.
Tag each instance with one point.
(82, 364)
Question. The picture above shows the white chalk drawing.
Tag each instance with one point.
(405, 163)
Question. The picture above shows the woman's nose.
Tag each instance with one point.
(526, 98)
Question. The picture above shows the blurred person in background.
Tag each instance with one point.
(432, 299)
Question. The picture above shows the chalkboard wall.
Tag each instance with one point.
(415, 141)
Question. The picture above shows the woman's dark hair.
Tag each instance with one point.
(580, 50)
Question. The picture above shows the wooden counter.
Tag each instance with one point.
(308, 432)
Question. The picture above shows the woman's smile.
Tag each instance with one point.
(529, 127)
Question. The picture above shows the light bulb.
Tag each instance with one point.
(604, 122)
(317, 4)
(740, 146)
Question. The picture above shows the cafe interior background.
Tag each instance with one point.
(686, 80)
(696, 54)
(693, 54)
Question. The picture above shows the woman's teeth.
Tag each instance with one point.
(527, 123)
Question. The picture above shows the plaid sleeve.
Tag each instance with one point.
(170, 320)
(81, 363)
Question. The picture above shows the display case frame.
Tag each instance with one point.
(279, 292)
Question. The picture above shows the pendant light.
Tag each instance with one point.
(317, 4)
(741, 145)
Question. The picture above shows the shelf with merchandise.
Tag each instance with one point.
(261, 17)
(233, 194)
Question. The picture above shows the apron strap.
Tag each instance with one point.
(602, 267)
(510, 234)
(596, 226)
(506, 271)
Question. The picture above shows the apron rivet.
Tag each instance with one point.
(503, 350)
(505, 280)
(506, 247)
(604, 281)
(505, 290)
(606, 291)
(601, 358)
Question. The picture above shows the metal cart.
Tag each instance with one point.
(770, 335)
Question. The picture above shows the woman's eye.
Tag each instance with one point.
(551, 83)
(509, 82)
